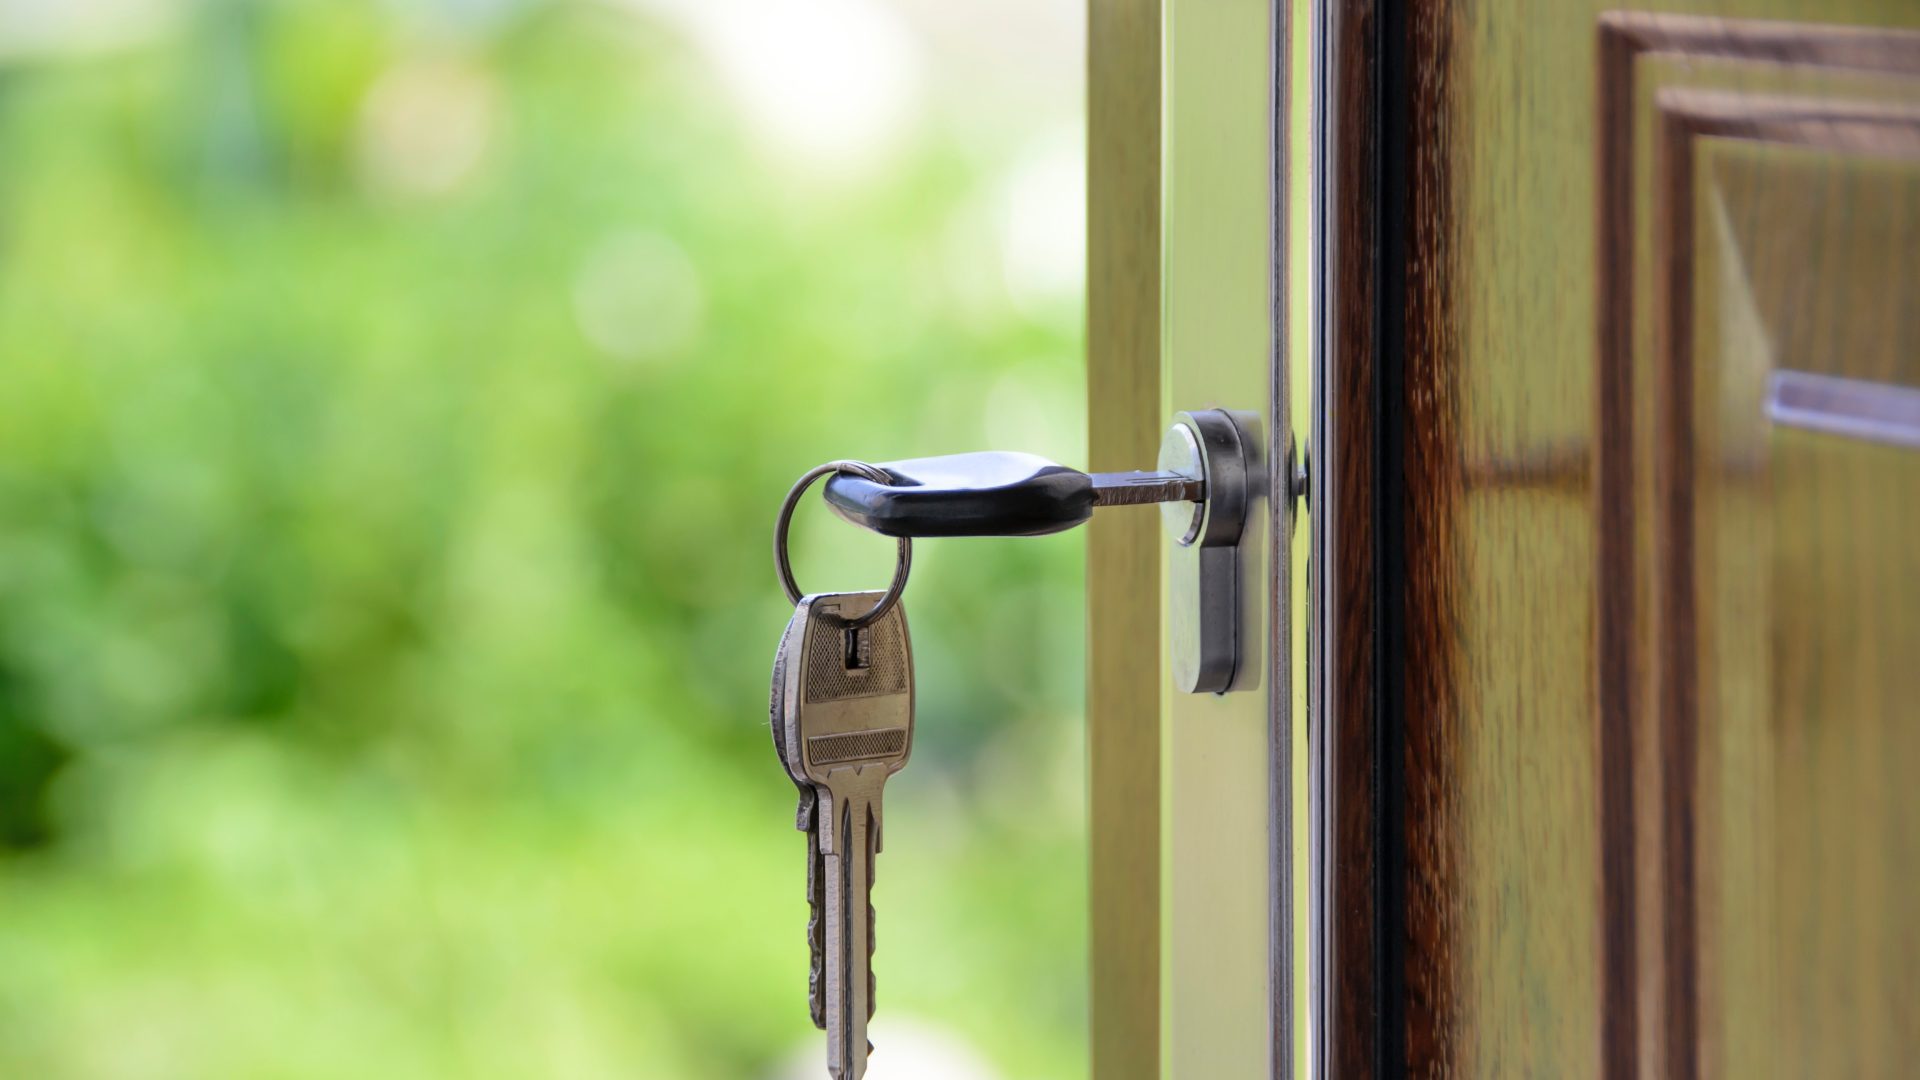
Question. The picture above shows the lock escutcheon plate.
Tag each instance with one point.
(1218, 448)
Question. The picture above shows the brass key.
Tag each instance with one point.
(843, 722)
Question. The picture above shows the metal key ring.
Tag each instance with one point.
(902, 564)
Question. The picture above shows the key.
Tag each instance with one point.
(844, 724)
(995, 493)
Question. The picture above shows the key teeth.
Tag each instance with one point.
(816, 934)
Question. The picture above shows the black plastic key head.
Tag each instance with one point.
(981, 494)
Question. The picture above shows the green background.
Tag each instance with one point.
(394, 403)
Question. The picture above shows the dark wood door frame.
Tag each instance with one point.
(1358, 803)
(1387, 233)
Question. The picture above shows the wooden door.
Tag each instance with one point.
(1618, 451)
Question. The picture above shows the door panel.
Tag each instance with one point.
(1614, 599)
(1192, 794)
(1225, 759)
(1805, 831)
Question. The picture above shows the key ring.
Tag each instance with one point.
(902, 563)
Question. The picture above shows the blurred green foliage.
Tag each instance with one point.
(386, 608)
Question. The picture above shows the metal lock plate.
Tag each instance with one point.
(1220, 449)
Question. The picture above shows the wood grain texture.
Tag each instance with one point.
(1533, 872)
(1345, 513)
(1801, 278)
(1490, 612)
(1428, 492)
(1653, 942)
(1617, 675)
(1125, 417)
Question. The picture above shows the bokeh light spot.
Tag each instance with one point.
(425, 127)
(831, 84)
(638, 296)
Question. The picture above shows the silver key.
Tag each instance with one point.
(844, 719)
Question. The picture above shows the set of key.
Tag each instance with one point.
(842, 719)
(842, 701)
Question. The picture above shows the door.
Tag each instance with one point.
(1196, 820)
(1618, 469)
